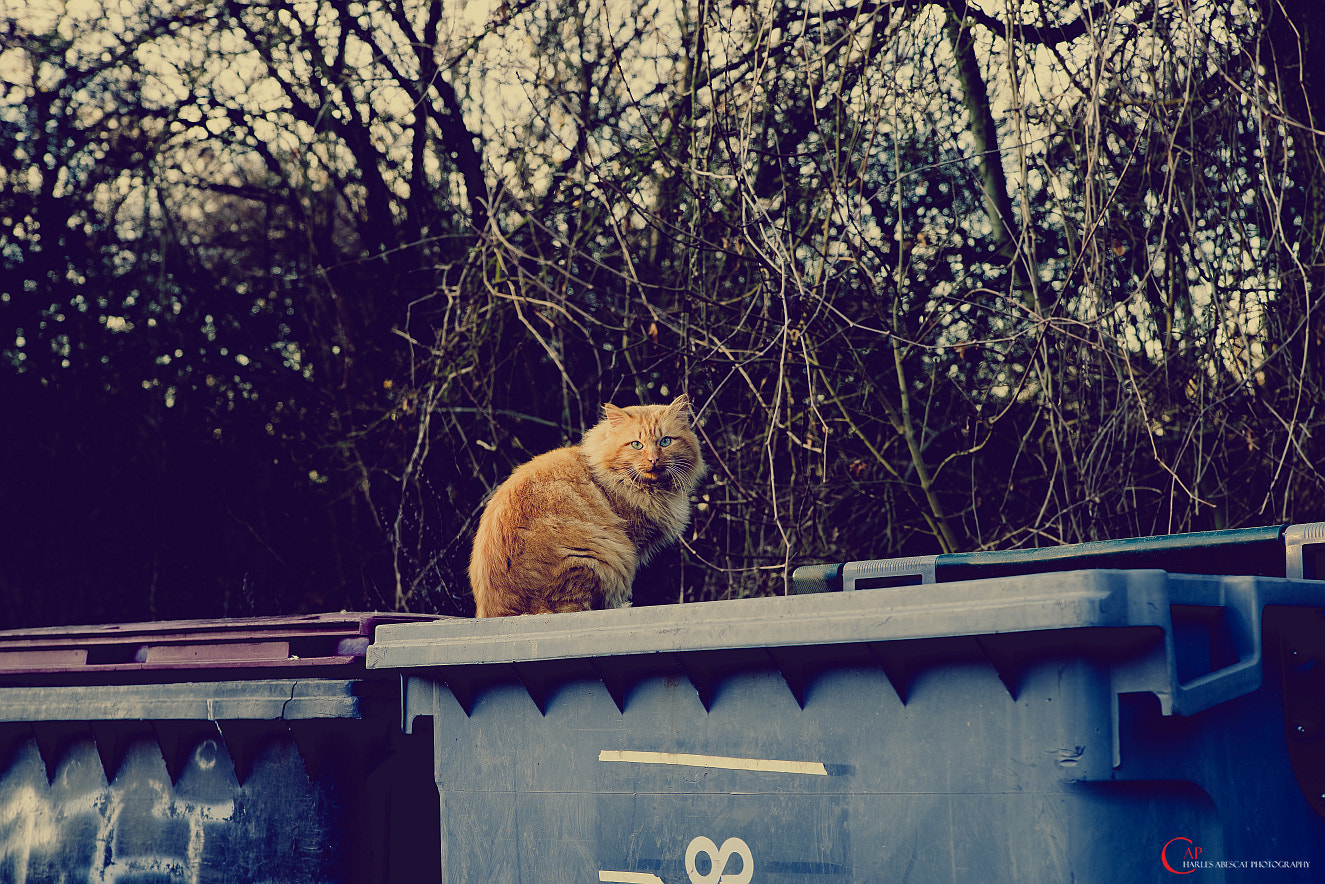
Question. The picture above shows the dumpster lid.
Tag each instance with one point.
(1275, 551)
(979, 607)
(1006, 616)
(191, 646)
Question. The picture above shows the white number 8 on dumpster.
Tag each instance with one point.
(718, 858)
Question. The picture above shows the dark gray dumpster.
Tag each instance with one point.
(219, 751)
(1091, 726)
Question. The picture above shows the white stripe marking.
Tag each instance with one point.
(761, 764)
(630, 878)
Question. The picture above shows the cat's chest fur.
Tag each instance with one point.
(653, 517)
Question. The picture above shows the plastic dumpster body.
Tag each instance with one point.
(222, 751)
(1052, 727)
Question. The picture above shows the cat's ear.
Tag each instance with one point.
(681, 409)
(613, 415)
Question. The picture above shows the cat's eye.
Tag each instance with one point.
(664, 441)
(637, 445)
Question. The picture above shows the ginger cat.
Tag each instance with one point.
(568, 530)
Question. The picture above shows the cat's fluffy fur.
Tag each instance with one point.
(567, 530)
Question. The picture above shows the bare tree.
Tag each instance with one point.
(940, 276)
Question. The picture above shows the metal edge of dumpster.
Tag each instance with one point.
(1110, 633)
(252, 749)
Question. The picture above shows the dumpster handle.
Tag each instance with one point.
(1245, 599)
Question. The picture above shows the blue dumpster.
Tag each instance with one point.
(222, 751)
(1088, 726)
